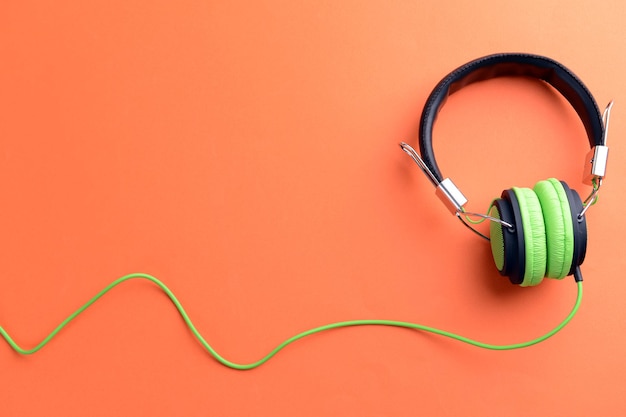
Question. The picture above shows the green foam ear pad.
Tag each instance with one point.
(558, 223)
(534, 236)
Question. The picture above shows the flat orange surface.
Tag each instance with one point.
(246, 153)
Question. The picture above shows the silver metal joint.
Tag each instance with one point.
(596, 159)
(450, 196)
(595, 164)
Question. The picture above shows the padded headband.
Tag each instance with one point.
(501, 65)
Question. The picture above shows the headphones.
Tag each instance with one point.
(534, 233)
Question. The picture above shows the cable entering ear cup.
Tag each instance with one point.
(534, 235)
(558, 224)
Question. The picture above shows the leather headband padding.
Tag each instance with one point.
(501, 65)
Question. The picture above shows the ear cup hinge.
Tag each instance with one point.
(592, 198)
(450, 196)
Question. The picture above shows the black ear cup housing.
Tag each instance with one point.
(580, 227)
(513, 261)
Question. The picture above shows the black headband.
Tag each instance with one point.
(500, 65)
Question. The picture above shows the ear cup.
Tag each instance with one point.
(534, 235)
(507, 246)
(547, 237)
(558, 225)
(579, 227)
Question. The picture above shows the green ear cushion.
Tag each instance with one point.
(559, 230)
(534, 236)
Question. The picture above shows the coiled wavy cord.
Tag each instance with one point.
(292, 339)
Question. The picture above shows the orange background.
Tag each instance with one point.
(246, 153)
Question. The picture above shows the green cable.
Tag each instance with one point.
(292, 339)
(482, 219)
(472, 221)
(596, 187)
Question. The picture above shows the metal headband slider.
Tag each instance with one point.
(596, 160)
(595, 164)
(451, 196)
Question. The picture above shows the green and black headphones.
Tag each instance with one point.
(534, 233)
